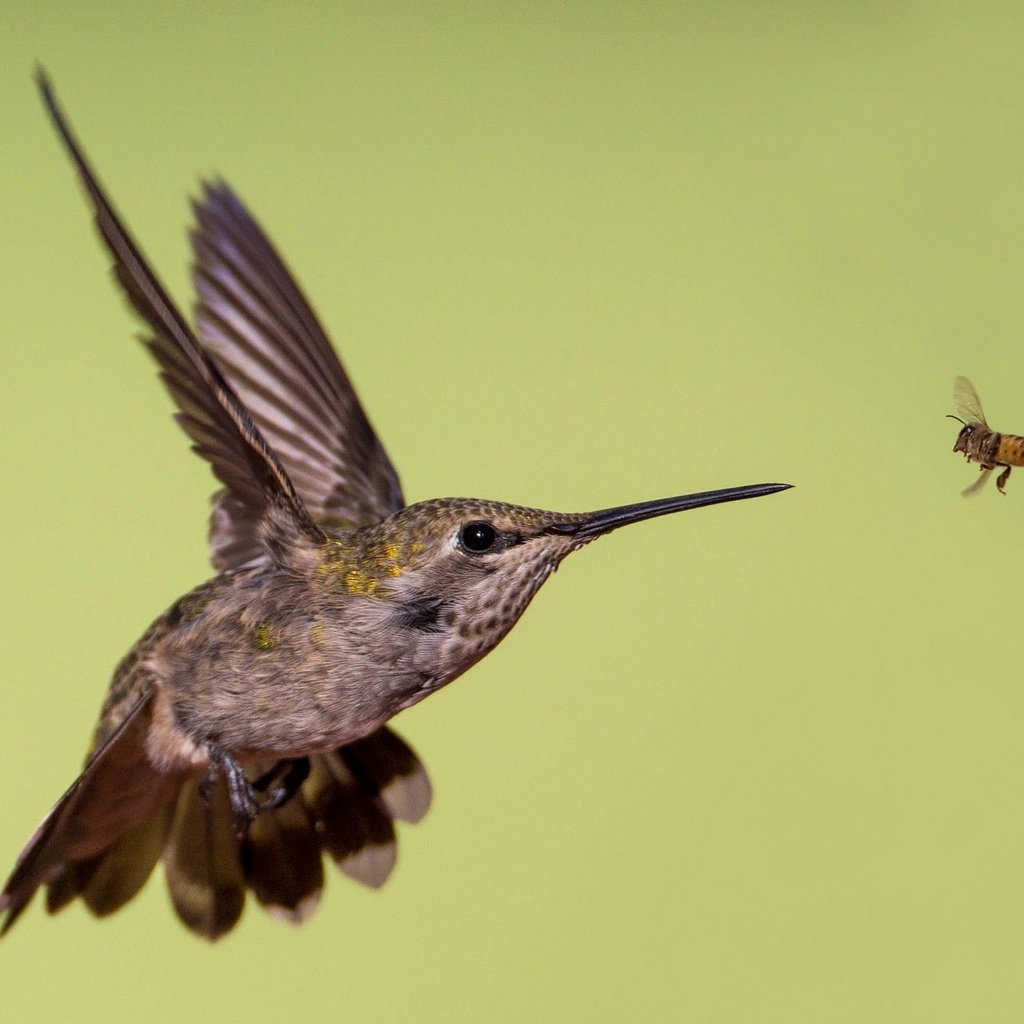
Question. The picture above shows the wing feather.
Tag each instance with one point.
(265, 336)
(211, 413)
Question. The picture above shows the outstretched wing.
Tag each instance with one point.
(263, 334)
(211, 413)
(967, 402)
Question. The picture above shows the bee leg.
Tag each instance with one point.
(1001, 482)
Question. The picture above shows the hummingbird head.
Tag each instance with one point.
(458, 572)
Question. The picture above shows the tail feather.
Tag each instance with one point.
(107, 881)
(103, 838)
(283, 865)
(358, 834)
(386, 766)
(202, 861)
(125, 867)
(64, 885)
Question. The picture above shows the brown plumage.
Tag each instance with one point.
(243, 737)
(316, 423)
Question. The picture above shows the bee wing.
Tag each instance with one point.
(967, 402)
(975, 488)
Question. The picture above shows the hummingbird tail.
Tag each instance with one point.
(357, 793)
(122, 815)
(109, 880)
(203, 861)
(346, 807)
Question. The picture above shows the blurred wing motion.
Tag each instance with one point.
(263, 334)
(967, 403)
(975, 488)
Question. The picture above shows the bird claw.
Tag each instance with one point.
(245, 802)
(250, 799)
(289, 775)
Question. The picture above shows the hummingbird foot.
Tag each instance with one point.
(246, 803)
(249, 799)
(288, 776)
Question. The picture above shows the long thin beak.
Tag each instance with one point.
(612, 518)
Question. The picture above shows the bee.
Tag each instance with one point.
(979, 442)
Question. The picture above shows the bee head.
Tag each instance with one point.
(964, 436)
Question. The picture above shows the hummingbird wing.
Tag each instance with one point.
(264, 335)
(118, 789)
(211, 413)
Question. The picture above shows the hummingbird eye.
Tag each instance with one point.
(476, 538)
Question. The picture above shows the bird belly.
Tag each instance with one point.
(281, 703)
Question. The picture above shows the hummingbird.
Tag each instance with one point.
(244, 737)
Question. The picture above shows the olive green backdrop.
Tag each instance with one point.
(754, 763)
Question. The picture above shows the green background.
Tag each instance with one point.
(755, 763)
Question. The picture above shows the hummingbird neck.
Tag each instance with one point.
(367, 562)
